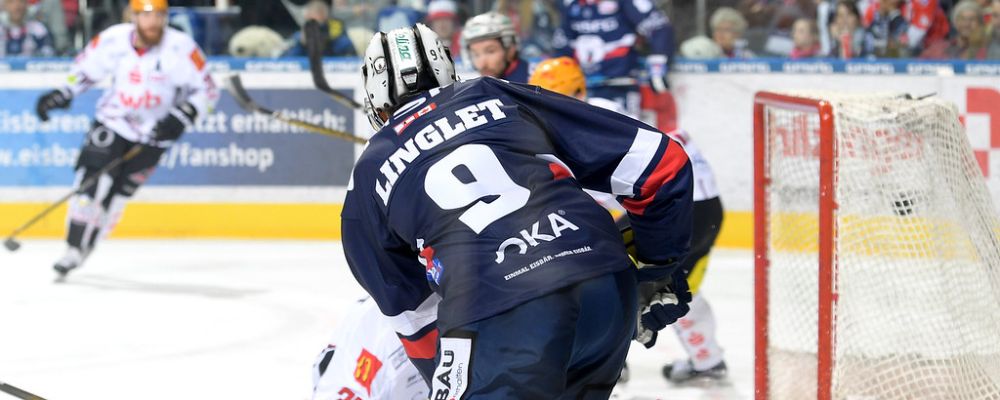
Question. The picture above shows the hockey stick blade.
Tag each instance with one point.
(316, 41)
(234, 86)
(19, 393)
(11, 244)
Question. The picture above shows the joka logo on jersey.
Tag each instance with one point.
(557, 225)
(146, 100)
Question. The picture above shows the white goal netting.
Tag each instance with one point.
(916, 258)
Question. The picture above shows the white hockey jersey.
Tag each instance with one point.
(365, 360)
(704, 179)
(145, 84)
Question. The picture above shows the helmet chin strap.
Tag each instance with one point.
(509, 63)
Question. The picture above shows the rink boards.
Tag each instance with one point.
(243, 175)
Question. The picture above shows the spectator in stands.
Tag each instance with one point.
(728, 26)
(805, 36)
(20, 36)
(825, 10)
(993, 49)
(402, 15)
(359, 13)
(442, 18)
(847, 36)
(338, 44)
(778, 41)
(970, 41)
(926, 22)
(50, 13)
(885, 37)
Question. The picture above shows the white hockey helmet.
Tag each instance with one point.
(402, 62)
(489, 25)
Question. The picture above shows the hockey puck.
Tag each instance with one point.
(11, 245)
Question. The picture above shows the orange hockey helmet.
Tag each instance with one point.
(148, 5)
(561, 75)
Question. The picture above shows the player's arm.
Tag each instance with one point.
(609, 152)
(198, 95)
(388, 270)
(651, 174)
(91, 66)
(650, 22)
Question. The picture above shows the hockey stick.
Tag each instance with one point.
(13, 245)
(235, 87)
(316, 40)
(19, 393)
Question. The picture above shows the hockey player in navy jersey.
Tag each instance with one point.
(602, 36)
(696, 330)
(467, 222)
(489, 44)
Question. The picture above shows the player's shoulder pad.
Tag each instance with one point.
(498, 86)
(183, 45)
(113, 35)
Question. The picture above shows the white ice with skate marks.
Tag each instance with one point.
(185, 319)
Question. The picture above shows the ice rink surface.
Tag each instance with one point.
(208, 319)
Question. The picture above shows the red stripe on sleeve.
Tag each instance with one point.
(558, 172)
(424, 348)
(672, 161)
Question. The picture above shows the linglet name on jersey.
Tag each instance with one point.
(433, 134)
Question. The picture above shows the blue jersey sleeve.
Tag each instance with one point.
(609, 152)
(388, 269)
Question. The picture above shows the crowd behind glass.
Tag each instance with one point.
(705, 29)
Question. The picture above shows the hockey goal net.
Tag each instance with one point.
(877, 258)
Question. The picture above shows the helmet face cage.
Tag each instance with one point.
(402, 62)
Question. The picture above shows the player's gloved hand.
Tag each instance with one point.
(56, 99)
(657, 66)
(172, 126)
(661, 303)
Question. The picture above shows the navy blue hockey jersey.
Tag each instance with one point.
(601, 35)
(469, 202)
(517, 72)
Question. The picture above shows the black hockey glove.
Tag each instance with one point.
(172, 126)
(661, 303)
(56, 99)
